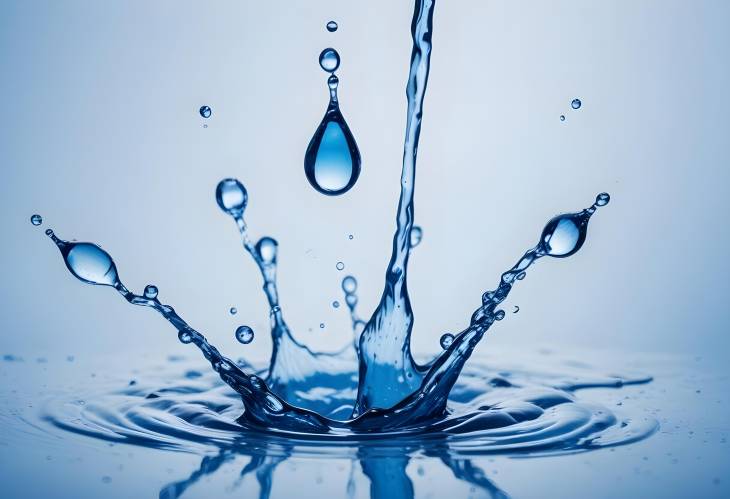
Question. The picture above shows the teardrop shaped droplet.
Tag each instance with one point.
(233, 310)
(332, 160)
(565, 234)
(244, 334)
(349, 284)
(205, 111)
(231, 196)
(87, 261)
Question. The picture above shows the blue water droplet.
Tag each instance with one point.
(350, 236)
(576, 103)
(517, 309)
(446, 340)
(332, 160)
(416, 236)
(336, 304)
(499, 315)
(205, 111)
(231, 196)
(150, 291)
(87, 261)
(562, 117)
(332, 26)
(321, 325)
(36, 219)
(340, 266)
(184, 336)
(602, 199)
(349, 284)
(329, 60)
(565, 234)
(244, 334)
(233, 310)
(266, 249)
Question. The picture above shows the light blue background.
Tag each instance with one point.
(100, 134)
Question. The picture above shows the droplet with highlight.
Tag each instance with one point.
(36, 219)
(205, 111)
(244, 334)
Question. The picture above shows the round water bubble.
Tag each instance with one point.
(333, 82)
(150, 291)
(602, 199)
(266, 248)
(321, 325)
(332, 26)
(350, 236)
(329, 60)
(185, 336)
(340, 266)
(576, 103)
(336, 304)
(446, 340)
(244, 334)
(349, 284)
(562, 117)
(231, 196)
(416, 236)
(233, 310)
(36, 219)
(205, 111)
(564, 235)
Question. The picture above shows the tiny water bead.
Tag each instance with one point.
(340, 266)
(231, 196)
(150, 291)
(205, 111)
(329, 60)
(266, 249)
(244, 334)
(576, 103)
(602, 199)
(185, 336)
(562, 117)
(446, 340)
(336, 304)
(321, 325)
(332, 26)
(416, 236)
(349, 284)
(233, 310)
(36, 219)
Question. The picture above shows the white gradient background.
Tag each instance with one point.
(101, 135)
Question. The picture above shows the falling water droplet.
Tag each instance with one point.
(36, 219)
(266, 249)
(87, 261)
(576, 103)
(332, 159)
(336, 304)
(446, 340)
(565, 234)
(416, 236)
(150, 291)
(562, 117)
(602, 199)
(350, 236)
(329, 60)
(340, 266)
(349, 284)
(351, 300)
(321, 325)
(231, 196)
(244, 334)
(205, 111)
(233, 310)
(499, 315)
(332, 26)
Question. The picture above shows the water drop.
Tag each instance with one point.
(244, 334)
(233, 310)
(36, 219)
(231, 196)
(321, 325)
(351, 300)
(205, 111)
(349, 284)
(350, 236)
(266, 249)
(446, 340)
(332, 26)
(340, 266)
(416, 236)
(150, 291)
(499, 315)
(562, 117)
(517, 309)
(576, 103)
(329, 60)
(336, 304)
(602, 199)
(87, 261)
(184, 336)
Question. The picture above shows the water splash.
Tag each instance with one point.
(332, 160)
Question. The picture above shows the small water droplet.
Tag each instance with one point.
(446, 340)
(350, 236)
(336, 304)
(340, 266)
(499, 315)
(244, 334)
(233, 310)
(184, 336)
(602, 199)
(576, 103)
(266, 249)
(150, 291)
(205, 111)
(416, 236)
(87, 261)
(329, 60)
(562, 117)
(349, 284)
(36, 219)
(565, 234)
(321, 325)
(332, 26)
(517, 309)
(351, 300)
(231, 196)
